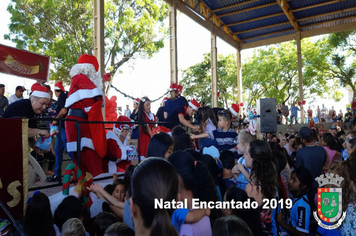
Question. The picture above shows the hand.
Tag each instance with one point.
(240, 167)
(39, 152)
(235, 171)
(196, 128)
(95, 188)
(44, 133)
(280, 219)
(193, 136)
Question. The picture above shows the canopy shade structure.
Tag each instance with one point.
(252, 23)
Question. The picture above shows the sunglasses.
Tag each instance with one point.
(222, 113)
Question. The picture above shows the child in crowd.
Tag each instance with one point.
(224, 138)
(208, 124)
(160, 145)
(102, 222)
(154, 178)
(240, 171)
(145, 115)
(231, 225)
(119, 229)
(299, 185)
(228, 161)
(38, 216)
(73, 227)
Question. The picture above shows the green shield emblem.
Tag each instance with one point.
(329, 204)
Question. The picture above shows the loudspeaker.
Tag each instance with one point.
(266, 108)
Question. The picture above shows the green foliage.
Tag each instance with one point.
(343, 63)
(63, 29)
(197, 80)
(272, 72)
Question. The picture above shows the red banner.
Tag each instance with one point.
(14, 165)
(23, 63)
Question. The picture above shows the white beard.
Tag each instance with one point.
(88, 70)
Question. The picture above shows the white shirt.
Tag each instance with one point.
(14, 98)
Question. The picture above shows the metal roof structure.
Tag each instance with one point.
(252, 23)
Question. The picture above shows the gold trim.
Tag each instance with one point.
(25, 161)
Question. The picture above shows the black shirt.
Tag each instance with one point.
(160, 113)
(61, 104)
(173, 117)
(21, 109)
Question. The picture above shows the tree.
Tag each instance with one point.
(64, 30)
(197, 80)
(343, 60)
(272, 72)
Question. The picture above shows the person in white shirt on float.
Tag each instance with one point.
(18, 94)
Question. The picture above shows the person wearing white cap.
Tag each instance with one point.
(177, 116)
(18, 94)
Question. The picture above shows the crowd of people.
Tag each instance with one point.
(187, 152)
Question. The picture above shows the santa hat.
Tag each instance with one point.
(173, 87)
(89, 59)
(59, 86)
(161, 129)
(40, 91)
(137, 100)
(121, 126)
(235, 108)
(194, 104)
(165, 99)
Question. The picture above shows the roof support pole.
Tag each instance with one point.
(239, 78)
(300, 75)
(173, 41)
(99, 47)
(214, 71)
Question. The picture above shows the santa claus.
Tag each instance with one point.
(116, 157)
(85, 100)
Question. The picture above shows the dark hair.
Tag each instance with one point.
(117, 182)
(227, 158)
(155, 178)
(109, 189)
(102, 221)
(208, 113)
(141, 114)
(250, 216)
(70, 207)
(306, 181)
(226, 114)
(330, 141)
(196, 178)
(127, 180)
(231, 226)
(181, 139)
(263, 171)
(38, 217)
(119, 229)
(159, 144)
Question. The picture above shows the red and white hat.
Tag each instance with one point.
(173, 87)
(89, 59)
(235, 108)
(59, 86)
(194, 104)
(40, 91)
(164, 99)
(121, 126)
(137, 100)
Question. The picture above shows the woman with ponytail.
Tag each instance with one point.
(195, 181)
(154, 178)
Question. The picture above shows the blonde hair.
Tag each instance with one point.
(73, 227)
(247, 137)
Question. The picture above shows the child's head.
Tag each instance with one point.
(225, 118)
(127, 180)
(154, 178)
(245, 137)
(208, 113)
(102, 222)
(301, 181)
(228, 159)
(119, 229)
(73, 227)
(231, 225)
(181, 138)
(70, 207)
(145, 104)
(330, 141)
(38, 217)
(119, 190)
(160, 145)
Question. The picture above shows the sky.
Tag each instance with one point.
(150, 77)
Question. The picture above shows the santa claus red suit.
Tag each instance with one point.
(85, 99)
(116, 159)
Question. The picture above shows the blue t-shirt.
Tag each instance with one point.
(294, 111)
(300, 214)
(178, 218)
(241, 181)
(224, 140)
(170, 105)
